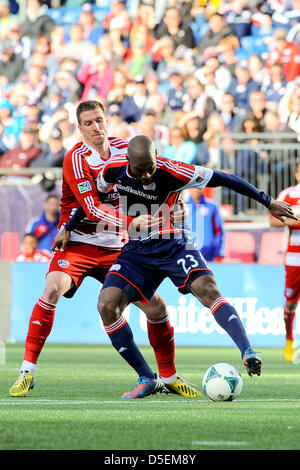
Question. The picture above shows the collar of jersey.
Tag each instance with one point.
(94, 152)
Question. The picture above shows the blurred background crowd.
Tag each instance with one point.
(179, 71)
(182, 72)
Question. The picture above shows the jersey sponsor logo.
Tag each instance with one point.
(137, 192)
(63, 263)
(84, 187)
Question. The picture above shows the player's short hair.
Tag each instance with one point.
(88, 105)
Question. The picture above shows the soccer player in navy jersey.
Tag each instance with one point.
(158, 248)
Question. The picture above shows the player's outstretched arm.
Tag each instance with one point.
(278, 209)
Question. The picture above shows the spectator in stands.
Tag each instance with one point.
(57, 41)
(216, 69)
(238, 15)
(111, 51)
(140, 62)
(179, 149)
(173, 26)
(258, 108)
(230, 117)
(291, 116)
(165, 48)
(7, 141)
(209, 153)
(148, 126)
(194, 130)
(285, 53)
(60, 120)
(52, 102)
(197, 102)
(146, 15)
(164, 115)
(206, 224)
(140, 33)
(274, 125)
(118, 10)
(241, 87)
(177, 91)
(6, 18)
(11, 65)
(37, 22)
(69, 85)
(53, 156)
(30, 252)
(44, 226)
(256, 68)
(27, 150)
(91, 29)
(36, 79)
(12, 124)
(133, 106)
(21, 44)
(76, 46)
(218, 29)
(276, 89)
(96, 76)
(226, 50)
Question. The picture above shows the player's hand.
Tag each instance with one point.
(145, 222)
(181, 212)
(281, 210)
(61, 240)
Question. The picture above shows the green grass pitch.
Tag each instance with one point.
(76, 404)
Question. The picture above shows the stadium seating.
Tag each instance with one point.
(272, 248)
(240, 247)
(9, 246)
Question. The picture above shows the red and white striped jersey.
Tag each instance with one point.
(292, 196)
(81, 167)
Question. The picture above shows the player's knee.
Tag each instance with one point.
(109, 309)
(291, 306)
(52, 293)
(207, 291)
(156, 308)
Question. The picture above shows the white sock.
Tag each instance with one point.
(28, 366)
(169, 380)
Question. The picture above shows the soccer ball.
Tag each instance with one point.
(222, 382)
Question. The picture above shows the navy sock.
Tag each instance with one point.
(227, 317)
(121, 337)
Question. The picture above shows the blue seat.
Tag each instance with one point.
(70, 15)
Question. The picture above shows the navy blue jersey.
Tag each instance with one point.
(157, 198)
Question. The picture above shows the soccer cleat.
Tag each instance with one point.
(180, 387)
(23, 384)
(289, 350)
(145, 387)
(252, 362)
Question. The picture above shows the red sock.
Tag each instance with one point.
(289, 321)
(161, 338)
(40, 325)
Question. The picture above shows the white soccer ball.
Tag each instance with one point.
(222, 382)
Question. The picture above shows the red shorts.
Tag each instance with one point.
(80, 260)
(292, 283)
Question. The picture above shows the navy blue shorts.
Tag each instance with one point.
(143, 266)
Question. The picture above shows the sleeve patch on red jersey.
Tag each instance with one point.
(84, 187)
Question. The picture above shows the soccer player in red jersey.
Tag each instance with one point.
(291, 195)
(91, 252)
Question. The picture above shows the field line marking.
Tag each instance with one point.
(220, 443)
(46, 401)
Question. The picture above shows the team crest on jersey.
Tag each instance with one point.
(63, 263)
(115, 267)
(150, 187)
(84, 187)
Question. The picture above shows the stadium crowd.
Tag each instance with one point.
(180, 72)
